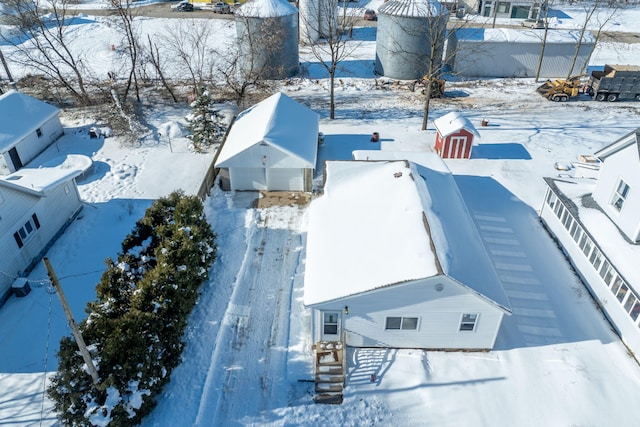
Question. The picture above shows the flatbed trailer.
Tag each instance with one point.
(615, 82)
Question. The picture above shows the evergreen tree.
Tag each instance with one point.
(205, 123)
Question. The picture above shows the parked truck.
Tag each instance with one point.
(615, 82)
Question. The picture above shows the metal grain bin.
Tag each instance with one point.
(318, 18)
(267, 33)
(410, 33)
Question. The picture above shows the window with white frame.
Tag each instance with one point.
(620, 195)
(404, 323)
(468, 322)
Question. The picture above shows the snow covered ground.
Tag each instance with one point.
(248, 360)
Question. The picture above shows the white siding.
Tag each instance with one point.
(439, 314)
(623, 164)
(53, 212)
(33, 145)
(285, 179)
(627, 328)
(248, 178)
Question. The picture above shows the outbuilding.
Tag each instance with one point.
(271, 146)
(36, 205)
(454, 136)
(28, 126)
(394, 260)
(507, 52)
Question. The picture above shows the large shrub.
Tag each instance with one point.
(134, 328)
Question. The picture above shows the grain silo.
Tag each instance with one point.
(410, 33)
(318, 18)
(267, 33)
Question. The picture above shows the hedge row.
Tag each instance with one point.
(134, 329)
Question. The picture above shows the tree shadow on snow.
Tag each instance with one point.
(510, 150)
(550, 304)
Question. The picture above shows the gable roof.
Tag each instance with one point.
(278, 121)
(632, 138)
(21, 115)
(453, 122)
(381, 223)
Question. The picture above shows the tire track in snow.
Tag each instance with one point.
(250, 352)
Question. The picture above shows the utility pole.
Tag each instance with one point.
(74, 328)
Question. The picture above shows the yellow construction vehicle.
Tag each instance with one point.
(561, 90)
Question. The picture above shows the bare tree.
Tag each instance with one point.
(597, 14)
(126, 16)
(266, 50)
(154, 58)
(328, 32)
(43, 44)
(189, 43)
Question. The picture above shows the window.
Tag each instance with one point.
(616, 285)
(39, 132)
(468, 322)
(596, 259)
(26, 230)
(622, 292)
(551, 199)
(631, 301)
(330, 324)
(503, 7)
(620, 195)
(406, 323)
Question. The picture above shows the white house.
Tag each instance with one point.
(394, 260)
(596, 222)
(28, 126)
(271, 146)
(619, 170)
(36, 205)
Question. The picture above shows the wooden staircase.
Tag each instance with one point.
(330, 372)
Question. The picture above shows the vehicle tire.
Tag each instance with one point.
(564, 98)
(612, 97)
(601, 96)
(555, 98)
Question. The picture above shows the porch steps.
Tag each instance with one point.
(330, 368)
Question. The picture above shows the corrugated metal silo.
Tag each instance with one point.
(317, 19)
(408, 32)
(267, 33)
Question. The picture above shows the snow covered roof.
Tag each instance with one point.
(381, 223)
(278, 121)
(632, 138)
(512, 35)
(266, 9)
(38, 181)
(453, 122)
(623, 254)
(21, 115)
(413, 8)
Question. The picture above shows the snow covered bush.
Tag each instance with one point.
(205, 123)
(134, 328)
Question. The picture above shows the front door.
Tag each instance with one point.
(15, 159)
(331, 327)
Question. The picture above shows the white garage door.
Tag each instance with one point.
(285, 179)
(248, 179)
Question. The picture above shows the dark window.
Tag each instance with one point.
(405, 323)
(468, 322)
(18, 239)
(330, 324)
(35, 220)
(39, 132)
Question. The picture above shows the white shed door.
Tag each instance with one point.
(248, 178)
(285, 179)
